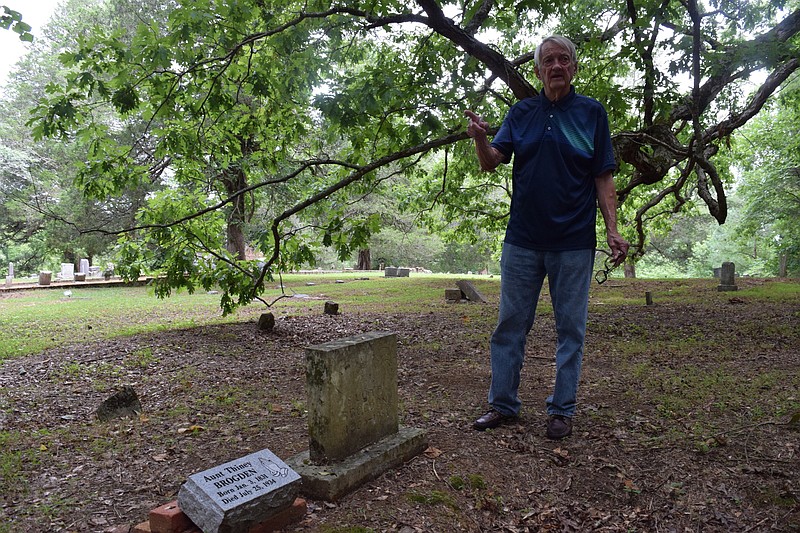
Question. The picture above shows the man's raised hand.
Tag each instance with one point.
(477, 127)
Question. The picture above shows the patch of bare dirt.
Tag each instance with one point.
(212, 394)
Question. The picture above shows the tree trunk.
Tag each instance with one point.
(234, 182)
(364, 261)
(784, 259)
(630, 269)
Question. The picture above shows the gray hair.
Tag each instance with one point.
(559, 40)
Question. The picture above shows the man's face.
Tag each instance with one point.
(556, 70)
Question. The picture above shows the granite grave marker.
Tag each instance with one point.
(236, 495)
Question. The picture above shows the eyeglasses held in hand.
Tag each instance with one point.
(601, 276)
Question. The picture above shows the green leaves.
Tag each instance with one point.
(293, 126)
(125, 99)
(10, 19)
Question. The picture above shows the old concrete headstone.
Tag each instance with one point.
(403, 272)
(84, 267)
(45, 276)
(469, 290)
(237, 495)
(353, 424)
(124, 403)
(331, 308)
(352, 394)
(727, 277)
(390, 272)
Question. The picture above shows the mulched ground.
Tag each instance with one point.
(635, 462)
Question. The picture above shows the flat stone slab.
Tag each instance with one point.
(329, 482)
(469, 290)
(236, 495)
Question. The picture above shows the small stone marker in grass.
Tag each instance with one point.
(453, 295)
(239, 494)
(266, 322)
(124, 403)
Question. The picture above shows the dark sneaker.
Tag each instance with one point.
(558, 427)
(493, 419)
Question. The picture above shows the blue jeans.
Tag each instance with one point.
(522, 274)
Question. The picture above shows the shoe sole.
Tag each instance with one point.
(504, 422)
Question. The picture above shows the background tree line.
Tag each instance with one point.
(217, 143)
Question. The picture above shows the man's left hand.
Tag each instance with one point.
(619, 248)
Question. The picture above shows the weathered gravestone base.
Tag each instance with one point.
(453, 295)
(234, 496)
(45, 276)
(354, 433)
(329, 482)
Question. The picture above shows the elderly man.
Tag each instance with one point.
(563, 164)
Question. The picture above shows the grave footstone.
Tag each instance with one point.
(237, 495)
(45, 277)
(353, 421)
(266, 321)
(727, 277)
(331, 308)
(124, 403)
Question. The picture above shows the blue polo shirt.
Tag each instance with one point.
(559, 148)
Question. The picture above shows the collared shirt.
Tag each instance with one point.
(559, 148)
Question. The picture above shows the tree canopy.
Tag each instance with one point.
(267, 123)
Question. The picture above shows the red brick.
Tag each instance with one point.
(169, 519)
(288, 516)
(144, 527)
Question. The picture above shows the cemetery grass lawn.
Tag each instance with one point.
(689, 414)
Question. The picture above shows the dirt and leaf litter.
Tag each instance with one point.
(688, 421)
